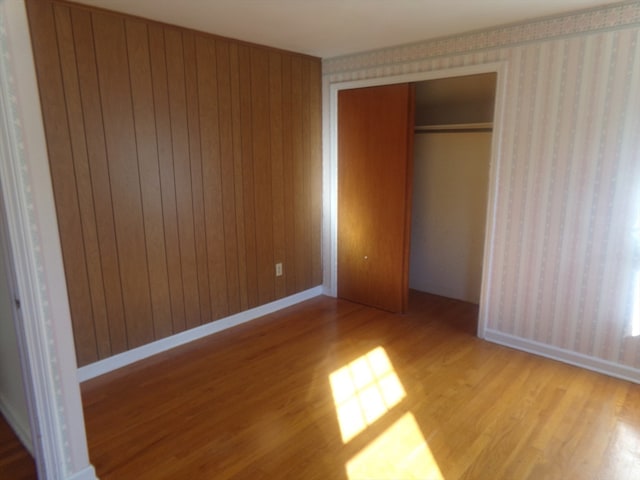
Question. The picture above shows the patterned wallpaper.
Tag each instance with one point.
(566, 266)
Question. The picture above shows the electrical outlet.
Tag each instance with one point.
(278, 269)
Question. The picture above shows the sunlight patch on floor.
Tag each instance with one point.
(399, 452)
(363, 391)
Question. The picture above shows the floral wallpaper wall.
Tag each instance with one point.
(565, 274)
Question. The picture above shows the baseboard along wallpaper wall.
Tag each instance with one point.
(565, 270)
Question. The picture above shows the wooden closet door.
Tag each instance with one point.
(375, 148)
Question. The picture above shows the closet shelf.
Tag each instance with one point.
(454, 126)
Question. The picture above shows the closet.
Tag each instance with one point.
(413, 174)
(452, 151)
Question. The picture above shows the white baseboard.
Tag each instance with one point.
(17, 424)
(567, 356)
(87, 473)
(328, 291)
(127, 358)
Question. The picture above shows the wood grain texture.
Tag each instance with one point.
(57, 129)
(227, 167)
(211, 179)
(277, 165)
(256, 402)
(236, 121)
(261, 128)
(197, 178)
(124, 176)
(168, 152)
(147, 147)
(304, 151)
(174, 52)
(15, 461)
(248, 175)
(297, 179)
(288, 121)
(315, 168)
(167, 179)
(374, 192)
(69, 67)
(101, 188)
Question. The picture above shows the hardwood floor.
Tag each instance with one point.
(15, 461)
(418, 396)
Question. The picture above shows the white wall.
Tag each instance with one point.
(13, 404)
(559, 270)
(450, 183)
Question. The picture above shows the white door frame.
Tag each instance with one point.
(330, 168)
(45, 334)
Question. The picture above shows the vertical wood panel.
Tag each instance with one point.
(113, 75)
(288, 122)
(234, 71)
(69, 68)
(277, 166)
(248, 184)
(305, 171)
(183, 169)
(56, 125)
(97, 153)
(211, 176)
(225, 125)
(197, 185)
(314, 140)
(262, 175)
(147, 147)
(167, 179)
(299, 201)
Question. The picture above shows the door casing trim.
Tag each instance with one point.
(330, 169)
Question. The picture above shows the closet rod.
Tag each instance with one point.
(455, 128)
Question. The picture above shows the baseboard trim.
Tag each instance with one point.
(566, 356)
(22, 431)
(127, 358)
(87, 473)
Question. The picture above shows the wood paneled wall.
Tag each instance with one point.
(184, 166)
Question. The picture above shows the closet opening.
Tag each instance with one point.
(451, 161)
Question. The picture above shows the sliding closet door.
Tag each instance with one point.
(375, 136)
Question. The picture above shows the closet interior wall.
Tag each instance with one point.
(184, 166)
(452, 152)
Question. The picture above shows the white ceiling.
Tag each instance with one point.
(329, 28)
